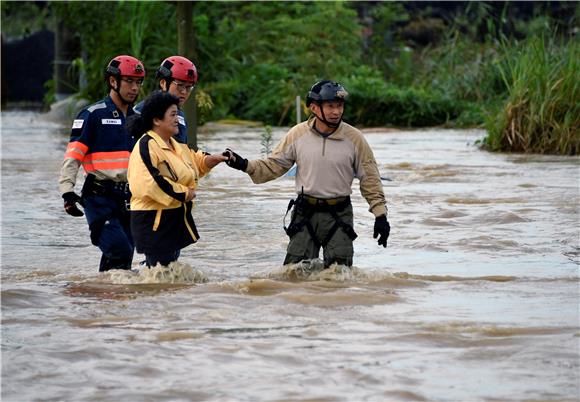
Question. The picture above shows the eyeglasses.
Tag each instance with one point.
(131, 81)
(183, 88)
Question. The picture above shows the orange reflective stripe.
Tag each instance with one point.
(92, 166)
(76, 150)
(101, 156)
(102, 161)
(75, 154)
(77, 144)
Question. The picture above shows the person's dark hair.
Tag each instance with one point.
(167, 83)
(154, 106)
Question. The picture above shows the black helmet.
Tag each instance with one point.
(325, 91)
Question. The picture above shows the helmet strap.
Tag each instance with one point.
(323, 119)
(116, 89)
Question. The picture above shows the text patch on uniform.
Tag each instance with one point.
(111, 121)
(78, 123)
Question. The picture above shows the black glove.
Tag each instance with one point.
(70, 204)
(235, 161)
(383, 229)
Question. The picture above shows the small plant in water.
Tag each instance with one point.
(266, 141)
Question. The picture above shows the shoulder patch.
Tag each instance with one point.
(96, 106)
(78, 123)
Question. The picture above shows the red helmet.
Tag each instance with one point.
(179, 68)
(124, 65)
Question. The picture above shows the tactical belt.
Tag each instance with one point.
(310, 205)
(324, 201)
(108, 188)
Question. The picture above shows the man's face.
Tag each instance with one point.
(333, 110)
(181, 90)
(129, 88)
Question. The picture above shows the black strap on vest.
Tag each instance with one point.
(339, 223)
(309, 210)
(108, 188)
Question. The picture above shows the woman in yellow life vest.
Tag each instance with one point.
(163, 176)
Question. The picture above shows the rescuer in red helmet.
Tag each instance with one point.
(178, 76)
(100, 144)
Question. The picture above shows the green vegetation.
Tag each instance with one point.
(511, 67)
(542, 111)
(376, 102)
(266, 140)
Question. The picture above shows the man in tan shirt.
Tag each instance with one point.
(329, 154)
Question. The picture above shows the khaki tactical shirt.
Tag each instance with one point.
(326, 166)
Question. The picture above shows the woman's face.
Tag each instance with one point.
(169, 125)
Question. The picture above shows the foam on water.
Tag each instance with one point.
(313, 270)
(175, 273)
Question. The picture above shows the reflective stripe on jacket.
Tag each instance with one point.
(99, 143)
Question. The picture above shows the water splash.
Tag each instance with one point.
(175, 273)
(309, 270)
(313, 270)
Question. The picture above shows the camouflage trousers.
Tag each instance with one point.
(327, 228)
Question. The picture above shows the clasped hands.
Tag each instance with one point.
(382, 229)
(235, 161)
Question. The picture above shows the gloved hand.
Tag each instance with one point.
(383, 229)
(235, 161)
(70, 204)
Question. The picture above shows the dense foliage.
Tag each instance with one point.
(404, 63)
(287, 47)
(542, 111)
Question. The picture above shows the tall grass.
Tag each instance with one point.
(542, 110)
(461, 68)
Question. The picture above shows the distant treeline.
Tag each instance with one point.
(508, 66)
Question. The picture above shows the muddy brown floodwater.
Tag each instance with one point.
(476, 297)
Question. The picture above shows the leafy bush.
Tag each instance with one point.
(374, 102)
(256, 57)
(462, 69)
(136, 28)
(542, 110)
(253, 58)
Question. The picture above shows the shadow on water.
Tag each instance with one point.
(109, 291)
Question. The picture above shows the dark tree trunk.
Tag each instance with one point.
(186, 48)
